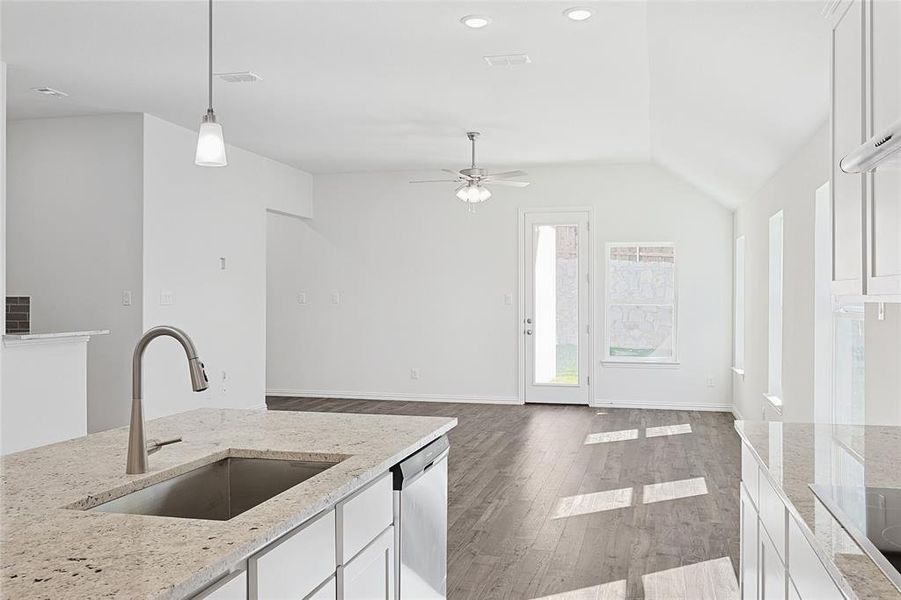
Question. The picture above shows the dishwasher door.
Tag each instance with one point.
(420, 517)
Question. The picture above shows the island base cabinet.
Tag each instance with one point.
(370, 574)
(750, 548)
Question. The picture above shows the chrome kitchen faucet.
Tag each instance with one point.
(137, 447)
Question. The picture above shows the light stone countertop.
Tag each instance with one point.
(50, 551)
(62, 335)
(798, 454)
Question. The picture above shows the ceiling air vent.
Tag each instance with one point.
(49, 91)
(508, 60)
(240, 77)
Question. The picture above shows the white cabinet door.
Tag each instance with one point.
(296, 564)
(847, 90)
(750, 548)
(230, 587)
(328, 590)
(363, 516)
(810, 577)
(884, 104)
(370, 575)
(772, 577)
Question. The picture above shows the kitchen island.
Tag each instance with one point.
(792, 546)
(52, 546)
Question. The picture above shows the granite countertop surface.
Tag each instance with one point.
(54, 335)
(49, 548)
(799, 454)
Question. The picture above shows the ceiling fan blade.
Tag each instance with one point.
(505, 182)
(456, 174)
(507, 174)
(435, 181)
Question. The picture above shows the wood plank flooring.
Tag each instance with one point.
(534, 511)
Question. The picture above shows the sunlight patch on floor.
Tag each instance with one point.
(584, 504)
(667, 430)
(672, 490)
(708, 580)
(611, 436)
(615, 590)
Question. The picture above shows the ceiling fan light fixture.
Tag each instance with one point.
(577, 13)
(475, 21)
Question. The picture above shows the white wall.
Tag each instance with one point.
(422, 285)
(793, 190)
(74, 241)
(192, 217)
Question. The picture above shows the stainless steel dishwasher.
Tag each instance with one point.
(420, 523)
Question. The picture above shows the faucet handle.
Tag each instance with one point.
(154, 445)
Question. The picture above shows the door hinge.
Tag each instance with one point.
(588, 329)
(588, 379)
(587, 225)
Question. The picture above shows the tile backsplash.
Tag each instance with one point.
(18, 314)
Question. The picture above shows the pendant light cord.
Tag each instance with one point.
(210, 61)
(473, 152)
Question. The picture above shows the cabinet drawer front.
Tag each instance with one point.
(327, 591)
(772, 515)
(370, 575)
(807, 572)
(364, 516)
(230, 587)
(297, 564)
(773, 577)
(749, 473)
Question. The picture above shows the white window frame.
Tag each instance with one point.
(738, 331)
(640, 360)
(775, 311)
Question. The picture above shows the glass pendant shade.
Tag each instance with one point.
(210, 144)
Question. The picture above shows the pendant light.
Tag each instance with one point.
(210, 143)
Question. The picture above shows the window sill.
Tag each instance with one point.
(775, 401)
(639, 364)
(739, 372)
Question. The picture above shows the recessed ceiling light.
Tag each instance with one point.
(49, 91)
(577, 13)
(475, 21)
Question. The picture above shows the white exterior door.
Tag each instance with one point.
(555, 326)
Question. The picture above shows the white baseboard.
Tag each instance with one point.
(403, 397)
(737, 414)
(608, 403)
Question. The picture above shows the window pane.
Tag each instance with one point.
(640, 331)
(739, 335)
(849, 367)
(644, 275)
(556, 331)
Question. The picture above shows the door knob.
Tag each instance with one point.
(528, 321)
(528, 332)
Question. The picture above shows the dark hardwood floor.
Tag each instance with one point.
(525, 515)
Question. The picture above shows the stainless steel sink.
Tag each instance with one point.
(218, 491)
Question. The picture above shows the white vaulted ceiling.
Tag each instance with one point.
(721, 92)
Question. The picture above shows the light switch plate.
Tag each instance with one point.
(126, 298)
(167, 298)
(302, 298)
(508, 299)
(336, 298)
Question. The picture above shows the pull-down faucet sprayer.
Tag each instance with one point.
(137, 446)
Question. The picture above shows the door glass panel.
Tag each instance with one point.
(556, 322)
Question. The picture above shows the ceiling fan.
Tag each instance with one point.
(472, 181)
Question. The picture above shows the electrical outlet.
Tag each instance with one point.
(336, 298)
(508, 299)
(414, 373)
(224, 378)
(710, 382)
(222, 265)
(302, 298)
(126, 298)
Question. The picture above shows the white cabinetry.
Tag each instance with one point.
(345, 552)
(866, 98)
(777, 561)
(295, 565)
(883, 103)
(370, 574)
